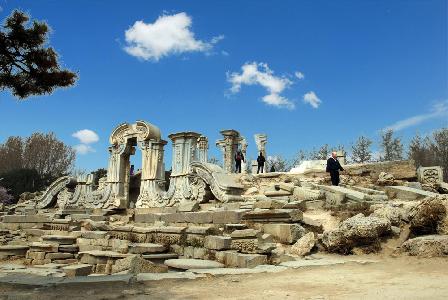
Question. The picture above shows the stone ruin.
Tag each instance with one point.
(204, 218)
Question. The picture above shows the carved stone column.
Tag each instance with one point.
(243, 144)
(260, 140)
(203, 149)
(153, 174)
(117, 176)
(229, 146)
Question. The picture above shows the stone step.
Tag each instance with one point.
(59, 239)
(13, 250)
(146, 248)
(159, 258)
(273, 215)
(185, 264)
(349, 193)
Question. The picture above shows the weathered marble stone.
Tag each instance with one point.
(136, 264)
(146, 248)
(218, 242)
(274, 215)
(285, 233)
(59, 239)
(77, 270)
(427, 246)
(245, 233)
(13, 250)
(408, 193)
(58, 255)
(304, 245)
(186, 264)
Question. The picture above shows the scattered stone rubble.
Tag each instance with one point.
(209, 218)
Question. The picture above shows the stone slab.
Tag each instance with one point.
(408, 193)
(143, 277)
(77, 270)
(186, 264)
(146, 248)
(26, 219)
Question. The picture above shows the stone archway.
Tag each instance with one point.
(124, 140)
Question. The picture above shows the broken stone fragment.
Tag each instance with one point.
(356, 231)
(77, 270)
(285, 233)
(136, 264)
(218, 242)
(304, 245)
(427, 246)
(430, 216)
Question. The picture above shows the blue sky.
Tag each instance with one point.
(361, 65)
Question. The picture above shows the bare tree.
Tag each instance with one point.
(322, 153)
(278, 162)
(11, 154)
(300, 156)
(213, 160)
(361, 150)
(49, 156)
(392, 147)
(44, 153)
(420, 151)
(440, 148)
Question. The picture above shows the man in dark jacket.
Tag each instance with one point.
(238, 158)
(333, 167)
(260, 161)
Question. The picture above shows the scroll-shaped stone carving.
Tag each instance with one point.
(222, 185)
(49, 197)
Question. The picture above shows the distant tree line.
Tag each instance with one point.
(424, 151)
(32, 163)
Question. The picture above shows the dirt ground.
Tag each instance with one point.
(390, 278)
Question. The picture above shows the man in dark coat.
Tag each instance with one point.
(238, 158)
(333, 167)
(260, 161)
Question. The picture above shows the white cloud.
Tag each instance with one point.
(86, 136)
(169, 34)
(277, 100)
(83, 149)
(438, 110)
(260, 74)
(299, 75)
(312, 99)
(225, 53)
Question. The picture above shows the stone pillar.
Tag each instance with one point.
(341, 156)
(260, 140)
(184, 152)
(243, 144)
(229, 146)
(203, 149)
(116, 174)
(153, 172)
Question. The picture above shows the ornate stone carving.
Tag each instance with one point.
(203, 148)
(229, 146)
(430, 175)
(49, 196)
(223, 186)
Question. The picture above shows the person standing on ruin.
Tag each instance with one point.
(239, 157)
(333, 167)
(260, 161)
